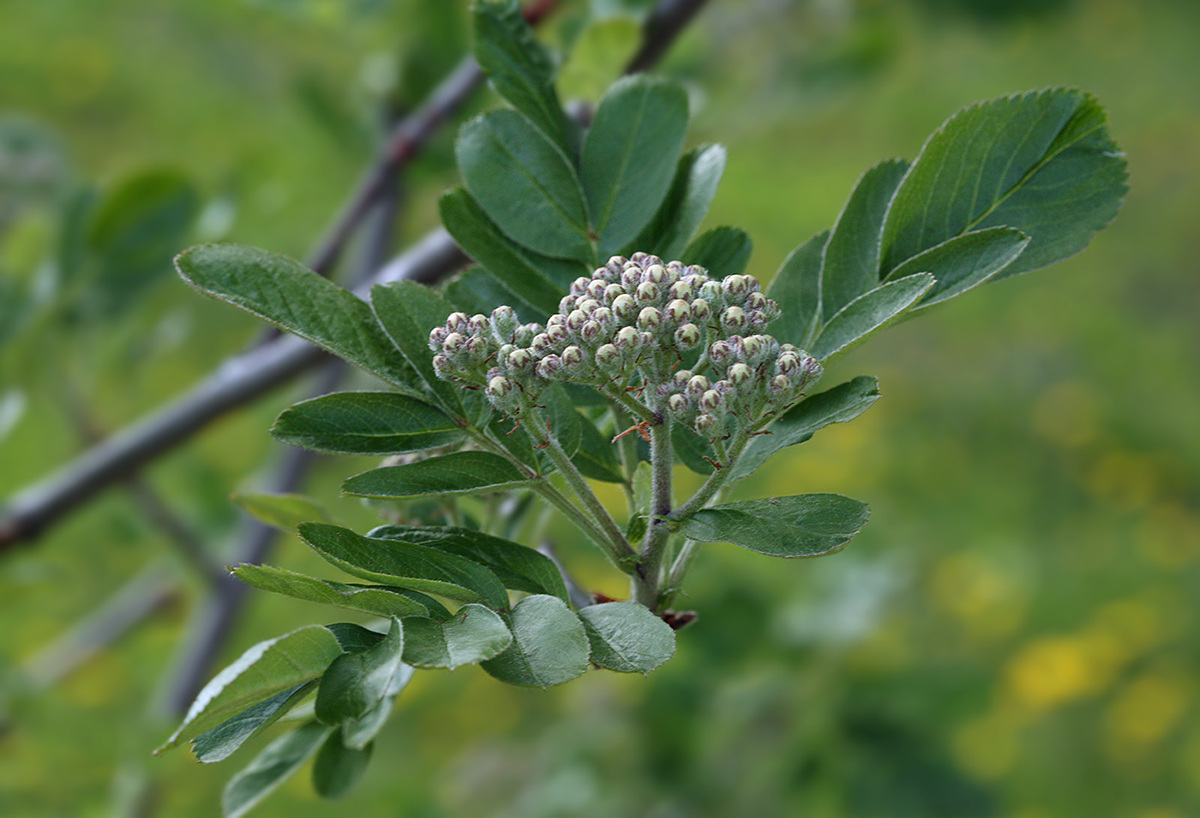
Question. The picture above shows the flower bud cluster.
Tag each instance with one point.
(750, 377)
(630, 323)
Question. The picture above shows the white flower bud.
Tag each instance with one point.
(650, 319)
(678, 312)
(711, 292)
(588, 306)
(739, 374)
(735, 287)
(576, 320)
(604, 316)
(675, 267)
(608, 358)
(498, 388)
(756, 301)
(712, 401)
(734, 318)
(457, 322)
(579, 286)
(705, 424)
(680, 379)
(647, 292)
(721, 353)
(656, 274)
(441, 366)
(541, 344)
(549, 367)
(453, 343)
(611, 292)
(697, 385)
(572, 357)
(687, 337)
(613, 268)
(779, 386)
(567, 303)
(640, 259)
(479, 348)
(591, 331)
(521, 360)
(787, 363)
(625, 308)
(557, 333)
(630, 278)
(479, 324)
(627, 338)
(679, 406)
(524, 334)
(701, 311)
(437, 336)
(680, 289)
(596, 289)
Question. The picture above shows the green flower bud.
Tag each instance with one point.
(647, 292)
(541, 344)
(631, 277)
(504, 322)
(705, 425)
(479, 348)
(679, 406)
(678, 312)
(608, 358)
(549, 367)
(687, 337)
(756, 301)
(711, 292)
(596, 289)
(701, 311)
(441, 366)
(613, 268)
(524, 334)
(567, 303)
(576, 320)
(739, 374)
(650, 319)
(604, 316)
(557, 333)
(733, 319)
(437, 336)
(779, 386)
(677, 267)
(697, 385)
(625, 308)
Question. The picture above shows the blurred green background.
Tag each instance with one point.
(1014, 634)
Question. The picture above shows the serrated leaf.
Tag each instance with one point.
(270, 768)
(221, 741)
(629, 156)
(380, 423)
(337, 768)
(565, 423)
(525, 184)
(405, 565)
(1041, 162)
(964, 262)
(456, 473)
(356, 682)
(869, 313)
(282, 511)
(286, 293)
(407, 311)
(843, 402)
(516, 566)
(521, 70)
(803, 525)
(627, 637)
(372, 600)
(851, 261)
(796, 287)
(519, 269)
(474, 634)
(723, 251)
(549, 645)
(685, 205)
(263, 671)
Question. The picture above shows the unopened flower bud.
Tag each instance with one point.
(557, 333)
(457, 322)
(705, 424)
(712, 401)
(524, 334)
(787, 363)
(614, 266)
(680, 379)
(521, 360)
(541, 344)
(454, 342)
(711, 292)
(678, 405)
(579, 286)
(576, 320)
(437, 337)
(627, 338)
(549, 367)
(680, 289)
(587, 305)
(479, 348)
(756, 301)
(647, 292)
(701, 311)
(779, 385)
(736, 287)
(650, 319)
(739, 374)
(675, 267)
(721, 353)
(697, 385)
(625, 308)
(687, 337)
(604, 316)
(572, 357)
(630, 278)
(504, 322)
(734, 318)
(608, 358)
(678, 312)
(655, 274)
(479, 324)
(498, 387)
(611, 292)
(590, 331)
(595, 290)
(441, 366)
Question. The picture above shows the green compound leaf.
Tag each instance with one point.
(525, 184)
(869, 313)
(337, 768)
(282, 511)
(723, 251)
(289, 295)
(366, 599)
(270, 768)
(796, 287)
(1041, 162)
(456, 473)
(837, 405)
(521, 70)
(379, 423)
(803, 525)
(355, 683)
(549, 645)
(534, 278)
(407, 311)
(406, 565)
(627, 637)
(517, 567)
(265, 670)
(220, 742)
(964, 262)
(629, 156)
(851, 262)
(474, 634)
(685, 206)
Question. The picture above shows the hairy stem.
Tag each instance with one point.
(646, 583)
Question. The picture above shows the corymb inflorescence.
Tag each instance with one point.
(630, 330)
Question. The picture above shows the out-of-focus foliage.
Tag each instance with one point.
(1018, 640)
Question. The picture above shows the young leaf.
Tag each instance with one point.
(964, 262)
(1041, 162)
(627, 637)
(475, 634)
(851, 261)
(337, 768)
(220, 742)
(629, 156)
(282, 511)
(356, 682)
(519, 269)
(723, 251)
(525, 184)
(263, 671)
(837, 405)
(797, 289)
(549, 645)
(372, 600)
(868, 313)
(803, 525)
(516, 566)
(456, 473)
(271, 767)
(288, 294)
(405, 565)
(521, 70)
(685, 206)
(407, 311)
(379, 423)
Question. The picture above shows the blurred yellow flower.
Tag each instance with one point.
(1145, 711)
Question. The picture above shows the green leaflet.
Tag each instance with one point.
(964, 262)
(629, 156)
(379, 423)
(627, 637)
(803, 525)
(286, 293)
(473, 635)
(869, 313)
(549, 645)
(282, 511)
(685, 206)
(270, 768)
(372, 600)
(455, 473)
(221, 741)
(723, 251)
(355, 683)
(407, 311)
(337, 768)
(797, 288)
